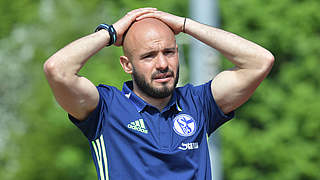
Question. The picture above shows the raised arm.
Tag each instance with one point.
(230, 88)
(76, 94)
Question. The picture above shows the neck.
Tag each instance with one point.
(159, 103)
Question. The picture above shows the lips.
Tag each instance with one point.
(162, 75)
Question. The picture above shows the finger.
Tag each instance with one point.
(155, 14)
(141, 10)
(140, 13)
(149, 8)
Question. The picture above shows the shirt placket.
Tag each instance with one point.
(165, 135)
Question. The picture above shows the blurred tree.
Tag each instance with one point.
(276, 134)
(14, 55)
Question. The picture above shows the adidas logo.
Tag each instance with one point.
(138, 125)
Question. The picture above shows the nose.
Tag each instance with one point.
(162, 62)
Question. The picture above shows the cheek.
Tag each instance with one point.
(174, 63)
(144, 69)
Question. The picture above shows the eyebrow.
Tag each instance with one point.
(147, 53)
(154, 52)
(170, 49)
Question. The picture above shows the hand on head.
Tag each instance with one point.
(176, 23)
(121, 26)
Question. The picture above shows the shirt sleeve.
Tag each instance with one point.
(212, 112)
(92, 126)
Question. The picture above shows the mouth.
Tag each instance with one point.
(163, 77)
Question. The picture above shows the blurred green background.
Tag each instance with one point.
(275, 135)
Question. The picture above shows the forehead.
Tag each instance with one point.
(154, 40)
(148, 34)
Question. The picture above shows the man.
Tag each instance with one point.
(151, 129)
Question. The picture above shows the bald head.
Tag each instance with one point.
(144, 34)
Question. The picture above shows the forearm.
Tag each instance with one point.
(68, 61)
(241, 52)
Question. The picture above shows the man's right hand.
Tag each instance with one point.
(122, 25)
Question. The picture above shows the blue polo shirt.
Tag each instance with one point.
(132, 140)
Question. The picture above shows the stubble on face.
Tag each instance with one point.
(147, 88)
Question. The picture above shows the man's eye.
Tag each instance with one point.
(169, 52)
(147, 56)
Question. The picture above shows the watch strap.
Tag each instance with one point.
(111, 30)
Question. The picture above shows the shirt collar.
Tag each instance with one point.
(141, 104)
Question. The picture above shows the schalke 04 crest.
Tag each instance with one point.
(184, 125)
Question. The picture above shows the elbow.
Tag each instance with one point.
(49, 68)
(268, 61)
(52, 71)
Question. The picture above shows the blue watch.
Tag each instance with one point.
(111, 30)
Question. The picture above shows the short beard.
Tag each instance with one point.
(157, 93)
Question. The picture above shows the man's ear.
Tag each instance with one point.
(126, 64)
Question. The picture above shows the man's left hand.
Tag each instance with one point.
(176, 23)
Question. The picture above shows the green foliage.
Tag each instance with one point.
(274, 136)
(12, 12)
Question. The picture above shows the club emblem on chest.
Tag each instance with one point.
(184, 125)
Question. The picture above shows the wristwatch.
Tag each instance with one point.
(111, 30)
